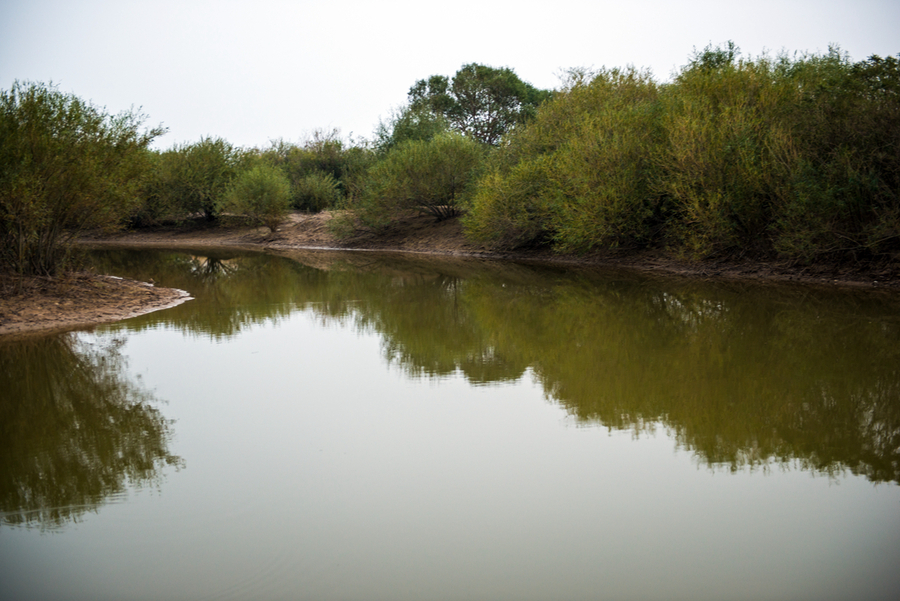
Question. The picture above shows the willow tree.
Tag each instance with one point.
(65, 166)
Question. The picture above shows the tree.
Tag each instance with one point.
(481, 102)
(322, 170)
(197, 176)
(411, 122)
(65, 166)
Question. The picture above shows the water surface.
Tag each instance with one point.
(363, 426)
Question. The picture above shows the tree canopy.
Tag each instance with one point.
(480, 101)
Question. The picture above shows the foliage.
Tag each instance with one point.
(845, 177)
(65, 166)
(411, 122)
(316, 192)
(434, 177)
(262, 194)
(794, 156)
(728, 147)
(193, 178)
(582, 174)
(322, 171)
(156, 204)
(480, 101)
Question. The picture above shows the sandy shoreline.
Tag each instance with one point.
(78, 301)
(83, 300)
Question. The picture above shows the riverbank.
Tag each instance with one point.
(421, 234)
(44, 305)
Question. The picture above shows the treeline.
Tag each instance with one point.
(796, 157)
(212, 177)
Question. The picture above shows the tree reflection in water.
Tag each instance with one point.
(745, 376)
(74, 431)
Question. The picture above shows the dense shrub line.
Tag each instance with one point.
(794, 156)
(211, 176)
(791, 156)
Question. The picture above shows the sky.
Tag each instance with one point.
(256, 71)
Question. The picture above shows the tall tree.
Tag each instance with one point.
(481, 102)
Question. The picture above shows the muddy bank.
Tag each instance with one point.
(421, 234)
(45, 305)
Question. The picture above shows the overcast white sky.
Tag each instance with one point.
(255, 71)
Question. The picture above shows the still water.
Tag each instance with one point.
(362, 426)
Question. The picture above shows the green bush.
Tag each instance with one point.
(262, 194)
(513, 206)
(191, 179)
(155, 205)
(845, 179)
(323, 170)
(789, 156)
(316, 192)
(729, 149)
(65, 166)
(582, 175)
(434, 177)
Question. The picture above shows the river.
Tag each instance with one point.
(331, 425)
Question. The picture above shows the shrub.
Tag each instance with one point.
(513, 207)
(323, 170)
(197, 176)
(728, 149)
(316, 192)
(845, 179)
(795, 156)
(65, 166)
(261, 193)
(582, 175)
(434, 177)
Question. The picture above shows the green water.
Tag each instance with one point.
(368, 426)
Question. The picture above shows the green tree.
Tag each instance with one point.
(480, 101)
(198, 175)
(845, 180)
(65, 166)
(316, 192)
(411, 122)
(581, 174)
